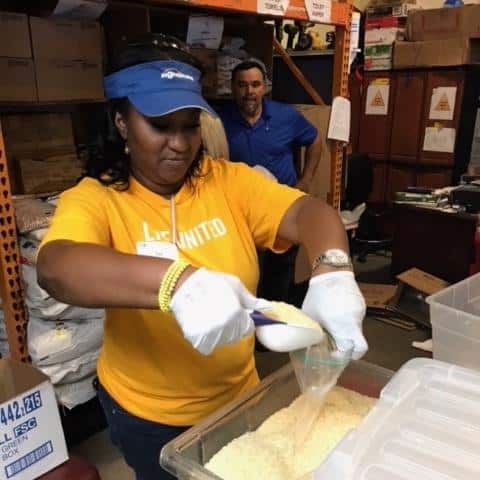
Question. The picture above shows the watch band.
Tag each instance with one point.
(324, 260)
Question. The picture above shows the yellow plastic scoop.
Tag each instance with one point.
(281, 327)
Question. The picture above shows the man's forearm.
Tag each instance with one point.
(312, 159)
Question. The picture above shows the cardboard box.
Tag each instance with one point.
(385, 22)
(208, 60)
(378, 57)
(378, 51)
(383, 36)
(14, 35)
(319, 117)
(422, 281)
(50, 174)
(60, 80)
(17, 80)
(66, 39)
(373, 64)
(444, 23)
(31, 436)
(46, 133)
(377, 294)
(394, 9)
(436, 53)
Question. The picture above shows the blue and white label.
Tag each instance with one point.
(25, 427)
(16, 410)
(29, 459)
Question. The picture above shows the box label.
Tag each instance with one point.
(272, 7)
(31, 436)
(319, 10)
(16, 410)
(29, 459)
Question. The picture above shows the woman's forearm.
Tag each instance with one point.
(315, 225)
(94, 276)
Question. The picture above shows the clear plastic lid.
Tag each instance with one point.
(426, 426)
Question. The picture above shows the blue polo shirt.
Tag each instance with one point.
(271, 141)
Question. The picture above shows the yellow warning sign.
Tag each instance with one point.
(378, 100)
(443, 105)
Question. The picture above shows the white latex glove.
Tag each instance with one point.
(211, 309)
(334, 300)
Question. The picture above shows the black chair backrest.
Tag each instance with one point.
(359, 181)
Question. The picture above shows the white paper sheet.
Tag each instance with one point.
(475, 154)
(439, 140)
(205, 30)
(272, 7)
(319, 10)
(377, 99)
(339, 125)
(442, 104)
(89, 9)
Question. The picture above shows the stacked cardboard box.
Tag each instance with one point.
(440, 38)
(41, 152)
(17, 73)
(68, 59)
(384, 25)
(65, 64)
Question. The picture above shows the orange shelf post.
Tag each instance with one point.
(340, 88)
(11, 286)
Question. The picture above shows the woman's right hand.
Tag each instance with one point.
(211, 309)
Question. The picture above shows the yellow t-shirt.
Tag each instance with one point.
(146, 365)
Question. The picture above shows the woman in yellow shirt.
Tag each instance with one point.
(164, 237)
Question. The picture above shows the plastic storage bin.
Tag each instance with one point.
(426, 426)
(186, 455)
(455, 318)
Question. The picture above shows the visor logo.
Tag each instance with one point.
(173, 73)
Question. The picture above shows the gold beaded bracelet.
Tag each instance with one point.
(169, 282)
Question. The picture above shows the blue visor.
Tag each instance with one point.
(158, 88)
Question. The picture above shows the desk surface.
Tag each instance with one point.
(439, 211)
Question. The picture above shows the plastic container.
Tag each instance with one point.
(426, 426)
(186, 455)
(455, 318)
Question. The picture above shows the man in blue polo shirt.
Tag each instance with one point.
(266, 133)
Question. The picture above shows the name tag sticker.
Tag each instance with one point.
(158, 250)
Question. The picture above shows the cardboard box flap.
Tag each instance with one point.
(377, 294)
(444, 23)
(17, 378)
(14, 35)
(437, 53)
(422, 281)
(66, 39)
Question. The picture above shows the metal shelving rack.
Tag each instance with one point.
(11, 289)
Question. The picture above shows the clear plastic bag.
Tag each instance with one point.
(317, 369)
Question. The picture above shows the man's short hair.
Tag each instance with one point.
(249, 64)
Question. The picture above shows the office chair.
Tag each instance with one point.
(369, 236)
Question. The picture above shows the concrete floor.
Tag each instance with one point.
(389, 347)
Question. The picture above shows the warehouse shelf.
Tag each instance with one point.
(11, 288)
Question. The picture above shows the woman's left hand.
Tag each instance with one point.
(334, 300)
